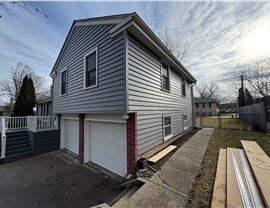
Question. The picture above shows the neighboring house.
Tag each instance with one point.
(5, 111)
(228, 107)
(119, 94)
(44, 107)
(206, 107)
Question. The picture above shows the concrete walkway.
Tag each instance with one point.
(170, 186)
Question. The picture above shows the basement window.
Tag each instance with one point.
(167, 125)
(185, 125)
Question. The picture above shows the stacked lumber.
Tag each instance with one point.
(242, 177)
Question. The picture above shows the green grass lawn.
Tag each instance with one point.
(212, 122)
(201, 194)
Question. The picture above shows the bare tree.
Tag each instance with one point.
(28, 6)
(175, 44)
(228, 99)
(207, 91)
(257, 76)
(11, 87)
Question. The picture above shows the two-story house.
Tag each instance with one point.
(119, 93)
(205, 107)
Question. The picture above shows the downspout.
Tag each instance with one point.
(193, 113)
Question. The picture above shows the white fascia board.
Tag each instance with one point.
(52, 74)
(121, 26)
(83, 23)
(99, 22)
(131, 21)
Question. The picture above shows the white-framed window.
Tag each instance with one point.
(183, 87)
(167, 127)
(185, 121)
(63, 85)
(165, 77)
(91, 69)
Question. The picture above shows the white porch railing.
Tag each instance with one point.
(12, 123)
(31, 123)
(41, 123)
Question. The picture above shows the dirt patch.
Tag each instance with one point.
(179, 143)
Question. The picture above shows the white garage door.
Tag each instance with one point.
(107, 146)
(70, 135)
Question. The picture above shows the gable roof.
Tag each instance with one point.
(137, 27)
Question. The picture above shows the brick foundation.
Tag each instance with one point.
(81, 138)
(132, 147)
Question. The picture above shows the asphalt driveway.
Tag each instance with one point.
(53, 180)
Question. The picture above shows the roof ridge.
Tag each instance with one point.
(105, 17)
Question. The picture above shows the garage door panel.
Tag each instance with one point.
(108, 146)
(71, 135)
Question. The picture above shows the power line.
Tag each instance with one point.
(23, 54)
(15, 59)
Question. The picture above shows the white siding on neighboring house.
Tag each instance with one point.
(151, 103)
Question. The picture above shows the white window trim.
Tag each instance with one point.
(64, 69)
(168, 136)
(169, 76)
(185, 127)
(84, 69)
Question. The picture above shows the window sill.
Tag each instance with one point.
(91, 87)
(168, 137)
(168, 91)
(63, 95)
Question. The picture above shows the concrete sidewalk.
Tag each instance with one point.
(170, 186)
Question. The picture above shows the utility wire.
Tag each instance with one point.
(23, 54)
(15, 59)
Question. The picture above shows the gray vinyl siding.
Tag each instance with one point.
(109, 95)
(147, 99)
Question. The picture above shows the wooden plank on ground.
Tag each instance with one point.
(219, 192)
(233, 192)
(260, 166)
(161, 154)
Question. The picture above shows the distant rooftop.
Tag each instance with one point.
(5, 108)
(202, 100)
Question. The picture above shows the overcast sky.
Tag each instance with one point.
(221, 34)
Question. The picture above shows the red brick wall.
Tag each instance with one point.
(81, 137)
(132, 147)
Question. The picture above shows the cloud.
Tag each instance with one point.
(215, 31)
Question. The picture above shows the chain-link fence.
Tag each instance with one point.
(222, 121)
